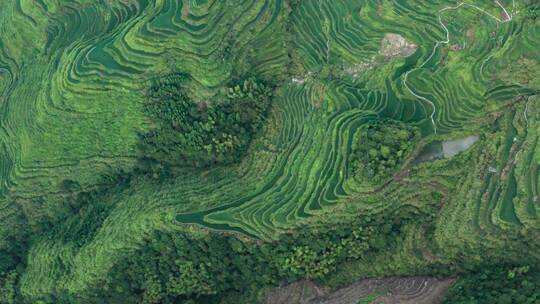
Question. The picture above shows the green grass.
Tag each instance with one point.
(370, 298)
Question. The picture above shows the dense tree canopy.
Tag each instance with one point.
(379, 149)
(217, 268)
(497, 284)
(201, 133)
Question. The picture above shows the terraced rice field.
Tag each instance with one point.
(73, 76)
(417, 290)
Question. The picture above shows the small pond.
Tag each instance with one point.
(445, 149)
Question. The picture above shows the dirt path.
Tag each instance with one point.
(507, 17)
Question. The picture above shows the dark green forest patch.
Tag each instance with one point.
(219, 268)
(497, 284)
(187, 132)
(380, 148)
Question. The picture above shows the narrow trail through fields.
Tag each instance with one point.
(446, 41)
(526, 109)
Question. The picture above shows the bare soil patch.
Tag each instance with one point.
(412, 290)
(395, 45)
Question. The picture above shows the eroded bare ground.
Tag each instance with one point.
(412, 290)
(395, 45)
(298, 292)
(392, 46)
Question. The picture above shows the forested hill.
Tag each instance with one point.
(269, 151)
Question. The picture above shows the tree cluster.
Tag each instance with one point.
(202, 133)
(13, 248)
(218, 268)
(497, 284)
(532, 9)
(380, 147)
